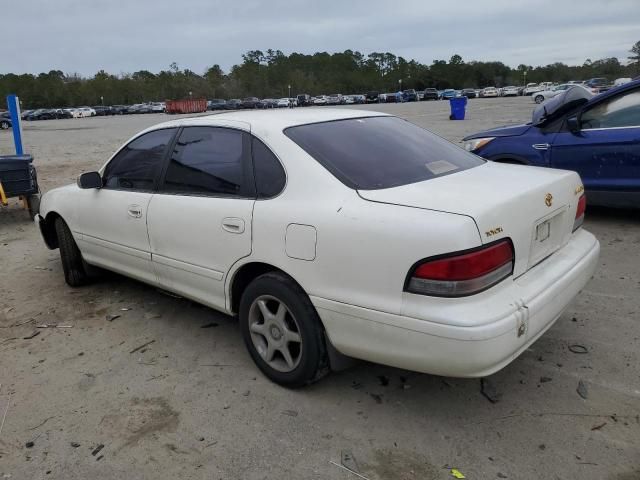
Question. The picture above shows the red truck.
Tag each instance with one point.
(194, 105)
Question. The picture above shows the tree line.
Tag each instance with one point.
(270, 73)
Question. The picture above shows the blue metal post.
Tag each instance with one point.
(13, 103)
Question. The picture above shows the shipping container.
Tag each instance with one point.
(195, 105)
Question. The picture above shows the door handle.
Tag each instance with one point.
(541, 146)
(134, 211)
(233, 225)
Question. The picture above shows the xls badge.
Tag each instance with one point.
(548, 200)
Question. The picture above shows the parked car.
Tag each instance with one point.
(85, 112)
(301, 238)
(600, 84)
(157, 107)
(304, 100)
(216, 104)
(372, 97)
(120, 109)
(468, 92)
(410, 95)
(39, 114)
(102, 110)
(540, 97)
(391, 97)
(320, 100)
(334, 99)
(266, 103)
(359, 99)
(233, 104)
(250, 102)
(62, 113)
(509, 91)
(5, 121)
(431, 94)
(531, 88)
(621, 81)
(348, 100)
(597, 136)
(283, 103)
(448, 93)
(489, 92)
(74, 112)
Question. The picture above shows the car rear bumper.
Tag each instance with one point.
(505, 319)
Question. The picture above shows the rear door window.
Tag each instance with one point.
(269, 174)
(210, 161)
(380, 152)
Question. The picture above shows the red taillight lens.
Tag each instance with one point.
(463, 273)
(582, 206)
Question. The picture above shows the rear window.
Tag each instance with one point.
(380, 152)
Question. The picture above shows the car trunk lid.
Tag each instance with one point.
(534, 207)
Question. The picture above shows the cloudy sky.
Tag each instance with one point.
(85, 36)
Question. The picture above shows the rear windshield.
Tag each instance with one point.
(380, 152)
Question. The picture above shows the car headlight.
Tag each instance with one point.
(476, 143)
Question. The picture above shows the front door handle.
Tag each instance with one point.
(134, 211)
(233, 225)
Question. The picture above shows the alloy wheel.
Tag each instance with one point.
(275, 333)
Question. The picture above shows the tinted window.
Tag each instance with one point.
(620, 111)
(208, 161)
(137, 165)
(270, 176)
(380, 152)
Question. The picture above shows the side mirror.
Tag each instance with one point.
(90, 180)
(573, 124)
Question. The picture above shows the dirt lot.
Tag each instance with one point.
(192, 405)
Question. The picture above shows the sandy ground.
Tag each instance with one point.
(192, 405)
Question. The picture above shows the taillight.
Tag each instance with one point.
(462, 273)
(582, 206)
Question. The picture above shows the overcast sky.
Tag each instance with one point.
(85, 36)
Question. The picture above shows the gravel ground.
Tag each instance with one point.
(192, 405)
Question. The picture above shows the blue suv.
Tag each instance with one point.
(596, 136)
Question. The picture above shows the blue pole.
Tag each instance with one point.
(14, 110)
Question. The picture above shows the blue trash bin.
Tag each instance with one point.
(458, 105)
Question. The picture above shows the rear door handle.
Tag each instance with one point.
(233, 225)
(134, 211)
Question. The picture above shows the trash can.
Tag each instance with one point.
(458, 105)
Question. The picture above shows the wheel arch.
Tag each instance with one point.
(48, 229)
(244, 275)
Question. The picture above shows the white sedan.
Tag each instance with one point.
(509, 91)
(298, 223)
(489, 92)
(540, 97)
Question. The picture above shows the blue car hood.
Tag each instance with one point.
(510, 131)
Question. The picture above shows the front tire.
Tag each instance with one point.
(282, 331)
(4, 125)
(75, 272)
(538, 99)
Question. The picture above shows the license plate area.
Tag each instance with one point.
(543, 231)
(547, 236)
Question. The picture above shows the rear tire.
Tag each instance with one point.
(4, 125)
(282, 331)
(75, 272)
